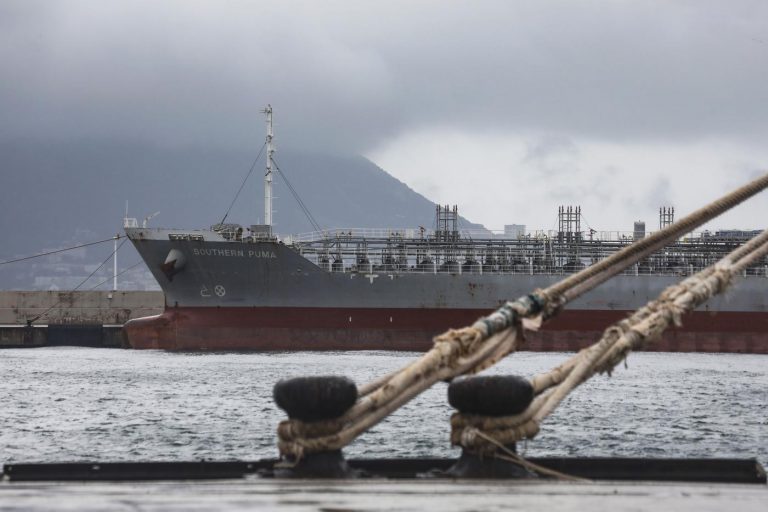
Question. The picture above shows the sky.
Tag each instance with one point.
(508, 109)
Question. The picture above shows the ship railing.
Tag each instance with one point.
(402, 233)
(672, 271)
(373, 233)
(487, 234)
(130, 222)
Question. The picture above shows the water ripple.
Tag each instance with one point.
(62, 404)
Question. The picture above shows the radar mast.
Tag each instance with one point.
(268, 175)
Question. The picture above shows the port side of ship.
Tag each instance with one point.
(231, 293)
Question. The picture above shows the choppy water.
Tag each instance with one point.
(65, 404)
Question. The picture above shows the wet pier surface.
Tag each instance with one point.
(370, 495)
(393, 484)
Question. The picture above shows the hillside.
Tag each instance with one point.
(59, 194)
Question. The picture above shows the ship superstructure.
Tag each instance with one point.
(457, 251)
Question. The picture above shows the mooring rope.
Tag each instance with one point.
(643, 327)
(491, 338)
(111, 255)
(505, 453)
(57, 251)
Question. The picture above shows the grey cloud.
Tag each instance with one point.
(345, 75)
(552, 155)
(658, 195)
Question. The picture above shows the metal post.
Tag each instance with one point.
(268, 175)
(114, 267)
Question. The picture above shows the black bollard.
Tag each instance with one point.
(502, 395)
(311, 399)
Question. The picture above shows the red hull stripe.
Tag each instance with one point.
(287, 329)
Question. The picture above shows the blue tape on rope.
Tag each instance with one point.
(506, 315)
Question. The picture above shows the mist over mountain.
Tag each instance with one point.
(59, 194)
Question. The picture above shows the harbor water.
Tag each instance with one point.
(79, 404)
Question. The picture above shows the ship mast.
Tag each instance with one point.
(268, 175)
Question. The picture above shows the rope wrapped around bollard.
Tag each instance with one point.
(471, 349)
(484, 433)
(458, 353)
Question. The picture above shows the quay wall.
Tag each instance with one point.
(86, 307)
(87, 318)
(63, 335)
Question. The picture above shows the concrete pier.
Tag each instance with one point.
(378, 494)
(87, 307)
(87, 318)
(391, 484)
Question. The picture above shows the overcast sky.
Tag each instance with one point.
(507, 108)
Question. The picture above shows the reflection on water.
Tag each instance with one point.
(65, 404)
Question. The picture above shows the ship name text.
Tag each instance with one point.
(237, 253)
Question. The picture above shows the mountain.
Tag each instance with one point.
(59, 194)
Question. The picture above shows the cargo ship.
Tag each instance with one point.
(245, 288)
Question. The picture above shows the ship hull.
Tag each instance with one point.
(266, 296)
(324, 329)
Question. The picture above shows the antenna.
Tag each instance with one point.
(268, 175)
